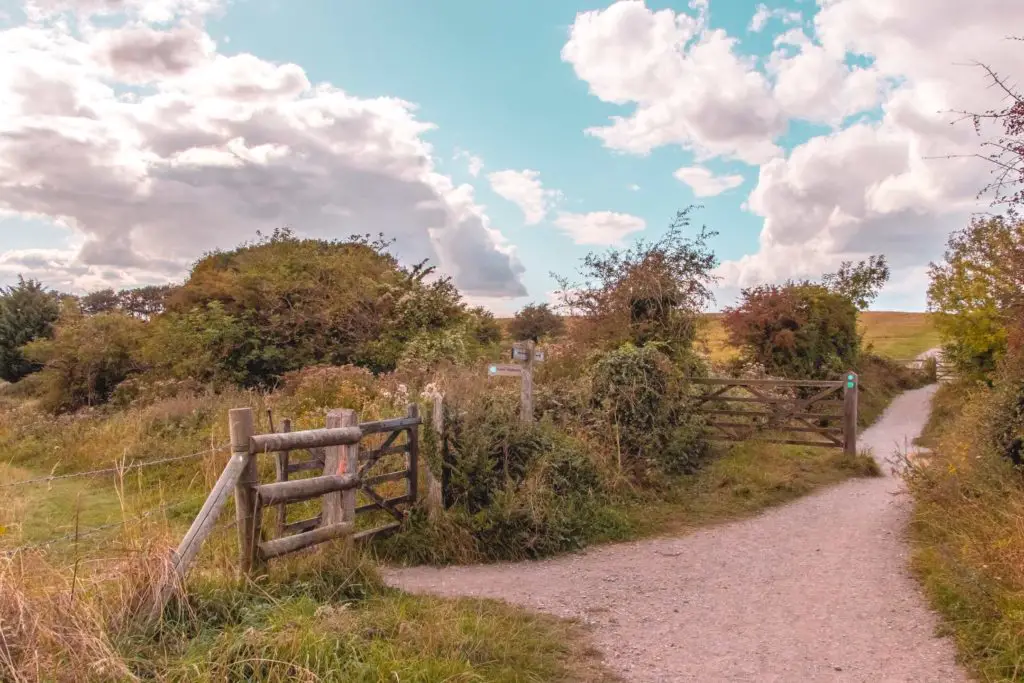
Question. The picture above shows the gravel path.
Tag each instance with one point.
(817, 590)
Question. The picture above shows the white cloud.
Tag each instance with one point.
(153, 148)
(474, 164)
(634, 187)
(599, 227)
(704, 183)
(687, 82)
(763, 15)
(897, 185)
(525, 190)
(814, 83)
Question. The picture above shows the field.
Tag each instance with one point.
(898, 335)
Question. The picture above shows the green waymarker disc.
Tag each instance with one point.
(849, 385)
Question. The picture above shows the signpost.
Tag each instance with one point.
(504, 370)
(527, 354)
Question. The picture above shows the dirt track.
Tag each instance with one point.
(817, 590)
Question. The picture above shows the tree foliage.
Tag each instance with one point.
(87, 357)
(651, 292)
(977, 292)
(27, 312)
(140, 302)
(860, 283)
(536, 322)
(799, 330)
(283, 303)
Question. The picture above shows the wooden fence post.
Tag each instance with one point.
(850, 414)
(435, 489)
(281, 464)
(341, 506)
(526, 386)
(246, 514)
(412, 465)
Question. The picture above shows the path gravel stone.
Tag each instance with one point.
(817, 590)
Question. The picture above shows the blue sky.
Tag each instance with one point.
(822, 132)
(489, 76)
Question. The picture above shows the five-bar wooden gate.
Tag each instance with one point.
(800, 412)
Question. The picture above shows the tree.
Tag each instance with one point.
(1006, 151)
(144, 302)
(100, 301)
(27, 312)
(652, 292)
(536, 322)
(860, 283)
(800, 329)
(140, 302)
(977, 292)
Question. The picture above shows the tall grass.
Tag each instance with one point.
(968, 534)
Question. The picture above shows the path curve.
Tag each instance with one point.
(816, 590)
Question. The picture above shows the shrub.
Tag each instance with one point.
(651, 293)
(644, 397)
(798, 330)
(286, 303)
(536, 322)
(27, 312)
(88, 357)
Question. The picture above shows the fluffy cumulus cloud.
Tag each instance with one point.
(152, 148)
(893, 175)
(525, 190)
(604, 228)
(897, 185)
(689, 84)
(704, 183)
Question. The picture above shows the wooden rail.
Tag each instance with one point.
(345, 475)
(790, 407)
(944, 370)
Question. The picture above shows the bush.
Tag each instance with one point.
(798, 330)
(644, 396)
(653, 292)
(27, 312)
(88, 357)
(286, 303)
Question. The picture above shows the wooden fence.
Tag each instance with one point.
(944, 370)
(345, 474)
(799, 412)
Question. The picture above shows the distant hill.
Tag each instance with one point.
(896, 334)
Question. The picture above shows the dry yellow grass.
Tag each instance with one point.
(895, 334)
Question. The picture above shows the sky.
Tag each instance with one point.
(502, 141)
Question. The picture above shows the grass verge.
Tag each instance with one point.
(740, 481)
(320, 617)
(968, 536)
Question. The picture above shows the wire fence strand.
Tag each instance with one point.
(111, 470)
(75, 536)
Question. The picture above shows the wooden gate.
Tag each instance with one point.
(799, 412)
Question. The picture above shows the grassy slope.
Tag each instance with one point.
(894, 334)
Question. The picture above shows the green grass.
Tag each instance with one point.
(319, 623)
(740, 481)
(745, 480)
(899, 335)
